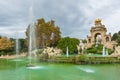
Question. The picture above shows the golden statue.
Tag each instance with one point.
(98, 21)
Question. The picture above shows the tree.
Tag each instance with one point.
(6, 46)
(22, 44)
(47, 34)
(70, 42)
(84, 41)
(118, 41)
(118, 32)
(116, 37)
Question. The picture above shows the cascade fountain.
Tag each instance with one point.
(67, 52)
(106, 52)
(103, 51)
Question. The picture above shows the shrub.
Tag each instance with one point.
(82, 57)
(70, 42)
(97, 50)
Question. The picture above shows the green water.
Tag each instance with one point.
(11, 70)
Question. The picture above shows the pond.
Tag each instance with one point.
(17, 70)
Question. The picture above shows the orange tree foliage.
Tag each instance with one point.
(5, 44)
(47, 34)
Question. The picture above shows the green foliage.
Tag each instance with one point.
(22, 44)
(118, 41)
(97, 50)
(7, 52)
(84, 41)
(70, 42)
(116, 37)
(91, 50)
(81, 57)
(110, 51)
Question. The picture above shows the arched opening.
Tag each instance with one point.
(107, 39)
(89, 40)
(98, 38)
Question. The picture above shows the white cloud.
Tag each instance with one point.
(75, 18)
(112, 22)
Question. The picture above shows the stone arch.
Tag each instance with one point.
(89, 40)
(97, 35)
(107, 39)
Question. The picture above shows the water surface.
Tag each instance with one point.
(17, 70)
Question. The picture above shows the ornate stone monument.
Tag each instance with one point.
(80, 47)
(99, 36)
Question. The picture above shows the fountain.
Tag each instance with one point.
(106, 52)
(17, 47)
(32, 40)
(103, 51)
(96, 45)
(51, 71)
(52, 36)
(67, 52)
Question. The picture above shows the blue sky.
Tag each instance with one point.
(74, 17)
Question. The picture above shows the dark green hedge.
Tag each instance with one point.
(97, 50)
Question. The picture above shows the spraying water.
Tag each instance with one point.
(52, 36)
(103, 51)
(106, 52)
(17, 48)
(32, 49)
(32, 38)
(67, 53)
(96, 45)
